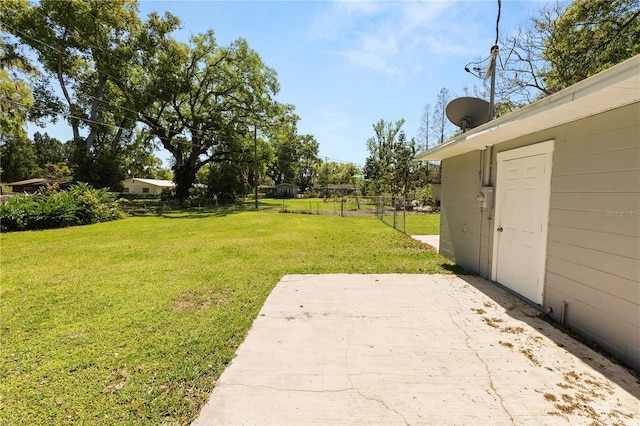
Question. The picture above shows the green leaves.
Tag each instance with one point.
(589, 37)
(50, 208)
(564, 44)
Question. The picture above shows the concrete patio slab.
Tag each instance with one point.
(413, 349)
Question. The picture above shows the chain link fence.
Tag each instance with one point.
(405, 215)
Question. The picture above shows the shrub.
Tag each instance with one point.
(51, 208)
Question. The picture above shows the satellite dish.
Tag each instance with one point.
(467, 112)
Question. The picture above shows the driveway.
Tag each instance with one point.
(413, 349)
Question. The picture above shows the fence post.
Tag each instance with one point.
(404, 215)
(393, 206)
(342, 207)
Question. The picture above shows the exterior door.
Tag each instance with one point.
(522, 213)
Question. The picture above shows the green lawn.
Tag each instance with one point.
(413, 223)
(133, 321)
(316, 205)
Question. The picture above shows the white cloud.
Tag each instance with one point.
(339, 17)
(375, 51)
(389, 37)
(422, 13)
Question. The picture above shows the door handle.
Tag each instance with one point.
(499, 229)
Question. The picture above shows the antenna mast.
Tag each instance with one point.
(491, 69)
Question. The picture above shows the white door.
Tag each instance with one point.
(522, 212)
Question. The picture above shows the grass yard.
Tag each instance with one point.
(132, 322)
(413, 223)
(317, 205)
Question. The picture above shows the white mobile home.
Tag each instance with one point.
(546, 202)
(149, 187)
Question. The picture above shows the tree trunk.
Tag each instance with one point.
(185, 175)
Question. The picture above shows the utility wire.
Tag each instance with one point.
(113, 78)
(91, 121)
(66, 115)
(498, 22)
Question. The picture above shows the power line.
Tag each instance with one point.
(135, 119)
(342, 161)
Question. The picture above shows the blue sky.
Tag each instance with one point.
(346, 65)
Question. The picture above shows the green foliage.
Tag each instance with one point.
(203, 102)
(217, 96)
(50, 208)
(334, 173)
(378, 168)
(16, 98)
(590, 36)
(563, 44)
(100, 165)
(18, 159)
(95, 51)
(226, 180)
(295, 156)
(391, 168)
(44, 157)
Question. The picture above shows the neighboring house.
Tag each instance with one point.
(546, 202)
(32, 185)
(138, 186)
(286, 190)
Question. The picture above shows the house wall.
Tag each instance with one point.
(136, 187)
(286, 191)
(593, 246)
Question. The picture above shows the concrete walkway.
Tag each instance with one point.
(413, 349)
(432, 240)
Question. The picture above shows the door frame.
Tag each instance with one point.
(546, 147)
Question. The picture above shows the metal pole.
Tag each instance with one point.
(404, 216)
(494, 58)
(255, 166)
(393, 205)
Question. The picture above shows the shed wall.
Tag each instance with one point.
(459, 216)
(593, 259)
(593, 247)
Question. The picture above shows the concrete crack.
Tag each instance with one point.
(342, 390)
(381, 402)
(486, 367)
(368, 398)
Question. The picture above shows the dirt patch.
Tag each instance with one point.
(492, 322)
(586, 390)
(513, 330)
(116, 381)
(193, 300)
(529, 354)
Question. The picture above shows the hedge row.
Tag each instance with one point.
(52, 208)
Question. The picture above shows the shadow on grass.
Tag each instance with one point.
(588, 352)
(168, 211)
